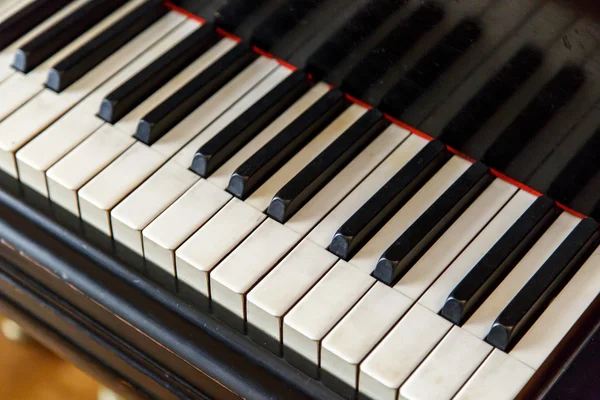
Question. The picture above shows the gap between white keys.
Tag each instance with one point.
(47, 148)
(48, 106)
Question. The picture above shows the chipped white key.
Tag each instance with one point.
(400, 353)
(45, 108)
(346, 180)
(20, 88)
(357, 334)
(195, 123)
(233, 278)
(500, 377)
(455, 239)
(100, 195)
(437, 294)
(275, 76)
(43, 151)
(178, 222)
(262, 197)
(447, 368)
(134, 213)
(277, 293)
(480, 323)
(78, 167)
(307, 324)
(324, 231)
(222, 175)
(366, 259)
(210, 244)
(560, 316)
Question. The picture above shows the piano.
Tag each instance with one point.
(292, 199)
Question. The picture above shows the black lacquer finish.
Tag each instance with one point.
(387, 52)
(28, 18)
(230, 140)
(269, 158)
(350, 35)
(538, 292)
(302, 187)
(407, 249)
(174, 109)
(365, 222)
(39, 49)
(84, 59)
(485, 276)
(137, 89)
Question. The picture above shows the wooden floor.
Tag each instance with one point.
(30, 372)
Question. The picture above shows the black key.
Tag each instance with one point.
(492, 96)
(281, 21)
(87, 57)
(350, 35)
(578, 172)
(397, 260)
(554, 95)
(266, 161)
(28, 18)
(548, 281)
(232, 138)
(137, 89)
(389, 50)
(302, 187)
(171, 111)
(39, 49)
(234, 12)
(365, 222)
(499, 261)
(429, 68)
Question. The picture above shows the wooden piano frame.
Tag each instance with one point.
(144, 342)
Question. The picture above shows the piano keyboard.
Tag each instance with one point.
(362, 252)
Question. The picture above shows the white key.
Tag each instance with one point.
(346, 180)
(48, 106)
(222, 175)
(355, 336)
(37, 156)
(447, 368)
(437, 294)
(400, 353)
(83, 163)
(178, 222)
(129, 122)
(366, 259)
(262, 197)
(307, 324)
(20, 88)
(7, 55)
(275, 76)
(247, 264)
(500, 377)
(560, 316)
(147, 201)
(195, 123)
(211, 243)
(480, 323)
(277, 293)
(99, 196)
(455, 239)
(324, 231)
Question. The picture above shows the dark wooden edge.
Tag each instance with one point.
(195, 352)
(52, 335)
